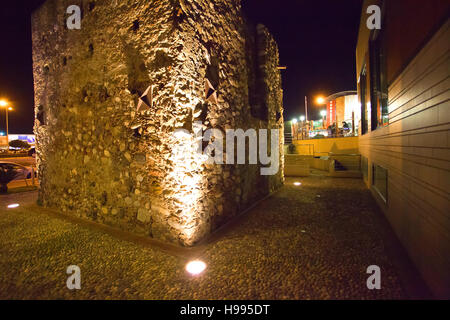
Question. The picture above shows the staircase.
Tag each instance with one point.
(287, 138)
(345, 165)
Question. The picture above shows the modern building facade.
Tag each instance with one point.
(404, 90)
(342, 107)
(28, 138)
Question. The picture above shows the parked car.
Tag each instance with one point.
(32, 152)
(23, 171)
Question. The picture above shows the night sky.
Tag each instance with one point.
(316, 39)
(317, 42)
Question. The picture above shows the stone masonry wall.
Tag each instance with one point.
(101, 159)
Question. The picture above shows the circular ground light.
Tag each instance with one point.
(195, 267)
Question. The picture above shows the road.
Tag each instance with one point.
(24, 161)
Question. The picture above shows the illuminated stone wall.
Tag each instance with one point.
(99, 158)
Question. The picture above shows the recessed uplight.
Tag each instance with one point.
(13, 205)
(195, 267)
(297, 183)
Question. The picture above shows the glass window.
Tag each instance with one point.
(362, 96)
(380, 180)
(378, 84)
(365, 167)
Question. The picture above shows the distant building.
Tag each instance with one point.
(343, 107)
(29, 138)
(403, 89)
(3, 142)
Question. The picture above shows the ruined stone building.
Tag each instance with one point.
(110, 95)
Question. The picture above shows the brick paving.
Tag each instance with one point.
(313, 241)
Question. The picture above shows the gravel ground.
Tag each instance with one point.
(313, 241)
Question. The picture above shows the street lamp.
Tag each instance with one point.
(323, 113)
(320, 100)
(294, 129)
(5, 104)
(302, 119)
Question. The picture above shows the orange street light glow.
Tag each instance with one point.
(320, 100)
(3, 103)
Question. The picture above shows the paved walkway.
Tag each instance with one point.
(313, 241)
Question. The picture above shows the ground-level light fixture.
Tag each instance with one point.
(195, 267)
(297, 184)
(13, 205)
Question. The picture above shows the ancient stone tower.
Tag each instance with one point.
(110, 95)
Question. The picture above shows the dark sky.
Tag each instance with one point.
(16, 74)
(317, 42)
(316, 39)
